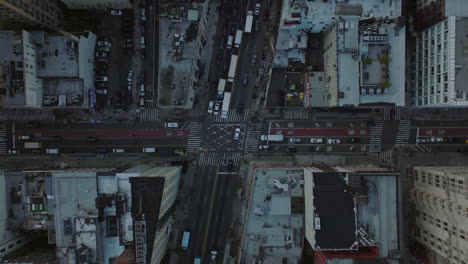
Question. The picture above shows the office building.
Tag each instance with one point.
(439, 67)
(39, 14)
(97, 4)
(439, 206)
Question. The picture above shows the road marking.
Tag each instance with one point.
(210, 212)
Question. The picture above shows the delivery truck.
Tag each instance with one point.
(232, 68)
(226, 102)
(248, 22)
(238, 39)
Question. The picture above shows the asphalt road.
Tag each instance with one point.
(210, 212)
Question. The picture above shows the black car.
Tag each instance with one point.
(290, 150)
(240, 108)
(57, 138)
(230, 165)
(354, 140)
(92, 139)
(245, 78)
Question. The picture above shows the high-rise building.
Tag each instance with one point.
(90, 4)
(34, 13)
(439, 202)
(439, 66)
(91, 215)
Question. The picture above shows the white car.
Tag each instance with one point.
(237, 134)
(257, 9)
(263, 147)
(103, 43)
(333, 141)
(118, 150)
(294, 140)
(101, 79)
(102, 91)
(316, 140)
(437, 139)
(213, 254)
(116, 12)
(13, 151)
(216, 108)
(210, 107)
(101, 54)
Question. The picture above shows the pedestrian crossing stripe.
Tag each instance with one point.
(194, 139)
(149, 115)
(376, 137)
(252, 141)
(404, 132)
(219, 158)
(3, 135)
(233, 116)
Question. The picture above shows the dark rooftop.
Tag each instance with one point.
(146, 200)
(335, 207)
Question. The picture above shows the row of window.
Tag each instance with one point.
(10, 246)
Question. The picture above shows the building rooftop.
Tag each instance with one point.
(178, 31)
(274, 227)
(335, 212)
(59, 58)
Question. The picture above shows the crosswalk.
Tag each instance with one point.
(219, 158)
(420, 148)
(233, 116)
(148, 115)
(376, 137)
(386, 158)
(252, 140)
(3, 138)
(392, 113)
(403, 134)
(194, 139)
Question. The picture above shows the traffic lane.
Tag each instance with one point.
(214, 220)
(104, 133)
(443, 132)
(199, 209)
(222, 231)
(316, 148)
(321, 132)
(322, 124)
(439, 123)
(116, 142)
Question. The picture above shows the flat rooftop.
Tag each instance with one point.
(336, 212)
(275, 221)
(59, 58)
(178, 49)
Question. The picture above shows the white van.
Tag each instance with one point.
(171, 125)
(118, 150)
(53, 151)
(142, 42)
(316, 140)
(142, 102)
(229, 42)
(149, 150)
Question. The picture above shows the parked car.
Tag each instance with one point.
(254, 60)
(333, 141)
(257, 25)
(116, 12)
(57, 138)
(101, 79)
(92, 139)
(257, 9)
(437, 139)
(263, 147)
(103, 43)
(118, 150)
(237, 134)
(101, 54)
(316, 140)
(13, 151)
(105, 49)
(354, 140)
(422, 140)
(101, 84)
(294, 140)
(101, 91)
(210, 107)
